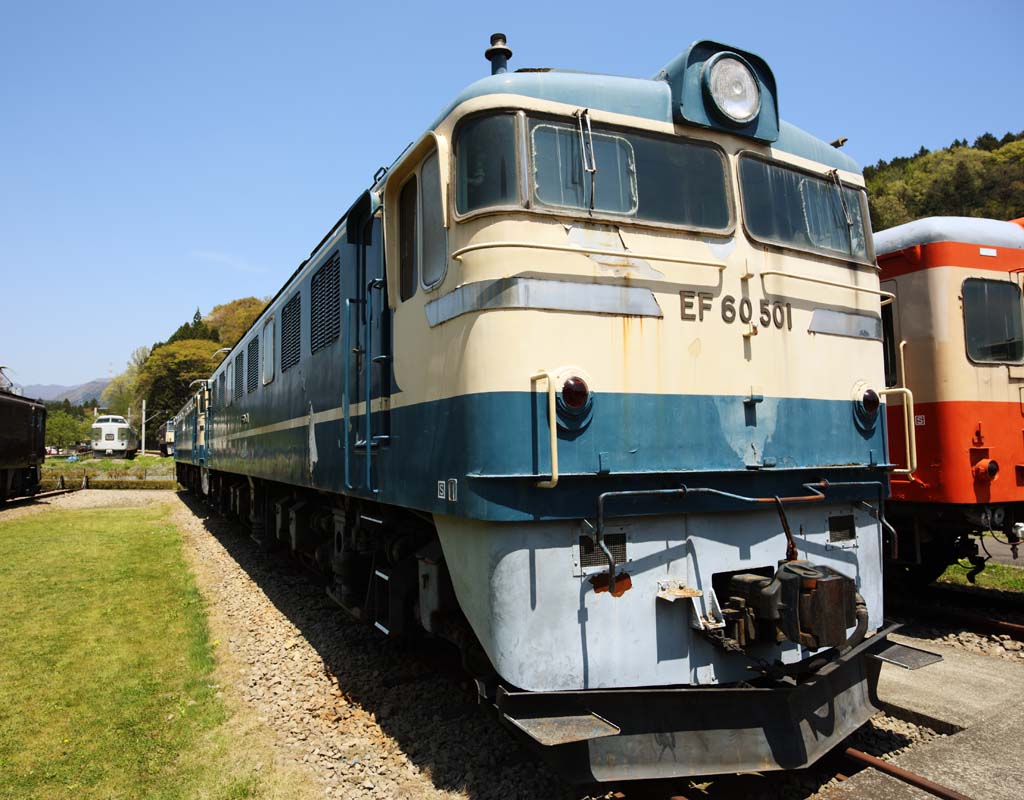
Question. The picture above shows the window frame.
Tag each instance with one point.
(861, 191)
(535, 195)
(521, 173)
(229, 384)
(268, 339)
(963, 312)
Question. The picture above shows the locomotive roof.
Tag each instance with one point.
(966, 230)
(650, 98)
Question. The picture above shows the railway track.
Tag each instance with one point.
(21, 501)
(990, 611)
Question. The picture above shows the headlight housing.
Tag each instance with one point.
(730, 83)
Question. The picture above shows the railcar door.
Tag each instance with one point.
(368, 384)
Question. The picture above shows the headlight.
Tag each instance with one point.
(733, 88)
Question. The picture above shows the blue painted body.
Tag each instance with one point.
(495, 445)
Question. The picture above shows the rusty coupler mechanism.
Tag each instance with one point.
(802, 602)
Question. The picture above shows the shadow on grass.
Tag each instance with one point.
(418, 693)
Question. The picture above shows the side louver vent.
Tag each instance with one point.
(325, 305)
(239, 374)
(290, 333)
(592, 556)
(252, 377)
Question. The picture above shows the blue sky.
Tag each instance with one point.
(159, 157)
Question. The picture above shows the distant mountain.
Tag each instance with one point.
(73, 394)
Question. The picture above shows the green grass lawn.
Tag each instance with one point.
(106, 687)
(1000, 577)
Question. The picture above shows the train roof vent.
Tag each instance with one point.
(325, 305)
(290, 332)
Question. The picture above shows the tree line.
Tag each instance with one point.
(985, 179)
(163, 373)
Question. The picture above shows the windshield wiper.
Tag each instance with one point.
(834, 175)
(587, 143)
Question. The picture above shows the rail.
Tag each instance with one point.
(887, 297)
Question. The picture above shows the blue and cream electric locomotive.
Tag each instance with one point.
(589, 383)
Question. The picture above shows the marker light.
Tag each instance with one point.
(870, 401)
(733, 88)
(575, 393)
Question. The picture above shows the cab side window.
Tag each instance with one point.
(408, 251)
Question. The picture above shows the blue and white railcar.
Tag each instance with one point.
(114, 436)
(589, 383)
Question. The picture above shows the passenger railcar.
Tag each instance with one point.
(113, 436)
(165, 438)
(588, 383)
(955, 328)
(22, 444)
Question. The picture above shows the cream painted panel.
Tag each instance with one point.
(931, 313)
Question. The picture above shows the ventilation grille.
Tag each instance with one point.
(290, 333)
(325, 306)
(592, 556)
(252, 377)
(239, 375)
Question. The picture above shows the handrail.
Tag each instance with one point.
(553, 425)
(909, 432)
(347, 390)
(887, 297)
(374, 283)
(593, 251)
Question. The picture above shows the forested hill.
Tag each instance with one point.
(985, 179)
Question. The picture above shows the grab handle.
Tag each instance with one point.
(553, 425)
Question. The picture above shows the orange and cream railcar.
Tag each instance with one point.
(954, 334)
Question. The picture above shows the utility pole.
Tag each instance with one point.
(143, 426)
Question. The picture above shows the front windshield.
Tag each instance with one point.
(795, 209)
(650, 178)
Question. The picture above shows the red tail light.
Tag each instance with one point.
(575, 393)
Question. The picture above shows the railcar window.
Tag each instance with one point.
(435, 239)
(252, 378)
(559, 178)
(291, 333)
(992, 321)
(407, 249)
(889, 345)
(485, 163)
(239, 374)
(650, 178)
(798, 210)
(268, 351)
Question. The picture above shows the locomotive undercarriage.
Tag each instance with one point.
(385, 567)
(382, 565)
(18, 482)
(931, 536)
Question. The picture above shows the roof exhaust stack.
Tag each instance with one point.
(498, 54)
